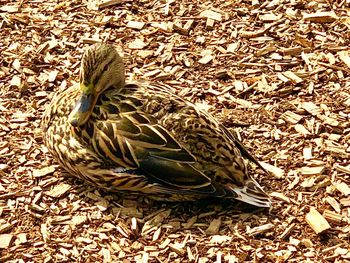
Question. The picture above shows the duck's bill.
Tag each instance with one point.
(82, 110)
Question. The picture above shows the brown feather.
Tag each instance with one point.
(145, 138)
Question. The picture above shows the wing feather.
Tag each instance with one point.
(170, 173)
(132, 136)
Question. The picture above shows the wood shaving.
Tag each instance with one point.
(276, 73)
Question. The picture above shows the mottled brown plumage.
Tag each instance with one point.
(142, 137)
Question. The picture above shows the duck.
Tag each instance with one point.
(143, 137)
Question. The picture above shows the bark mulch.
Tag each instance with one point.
(276, 72)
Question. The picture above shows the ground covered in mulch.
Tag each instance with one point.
(275, 72)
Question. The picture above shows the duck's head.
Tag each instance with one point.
(101, 68)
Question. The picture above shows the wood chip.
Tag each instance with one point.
(207, 57)
(316, 221)
(342, 251)
(280, 196)
(321, 17)
(108, 3)
(127, 211)
(137, 44)
(44, 171)
(9, 8)
(344, 56)
(52, 75)
(210, 24)
(332, 216)
(177, 248)
(291, 117)
(184, 30)
(211, 15)
(220, 239)
(328, 120)
(287, 231)
(307, 153)
(252, 34)
(78, 220)
(308, 171)
(307, 242)
(233, 47)
(309, 182)
(277, 172)
(102, 205)
(16, 81)
(311, 108)
(45, 233)
(343, 188)
(135, 24)
(21, 239)
(5, 240)
(276, 71)
(270, 17)
(5, 227)
(190, 222)
(214, 227)
(334, 203)
(59, 190)
(188, 25)
(57, 220)
(260, 229)
(301, 129)
(155, 221)
(345, 202)
(293, 77)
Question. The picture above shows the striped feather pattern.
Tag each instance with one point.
(145, 138)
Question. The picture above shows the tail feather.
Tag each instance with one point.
(252, 193)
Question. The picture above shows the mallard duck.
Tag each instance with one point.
(143, 137)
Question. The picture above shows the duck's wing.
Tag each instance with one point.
(251, 192)
(131, 138)
(150, 149)
(134, 140)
